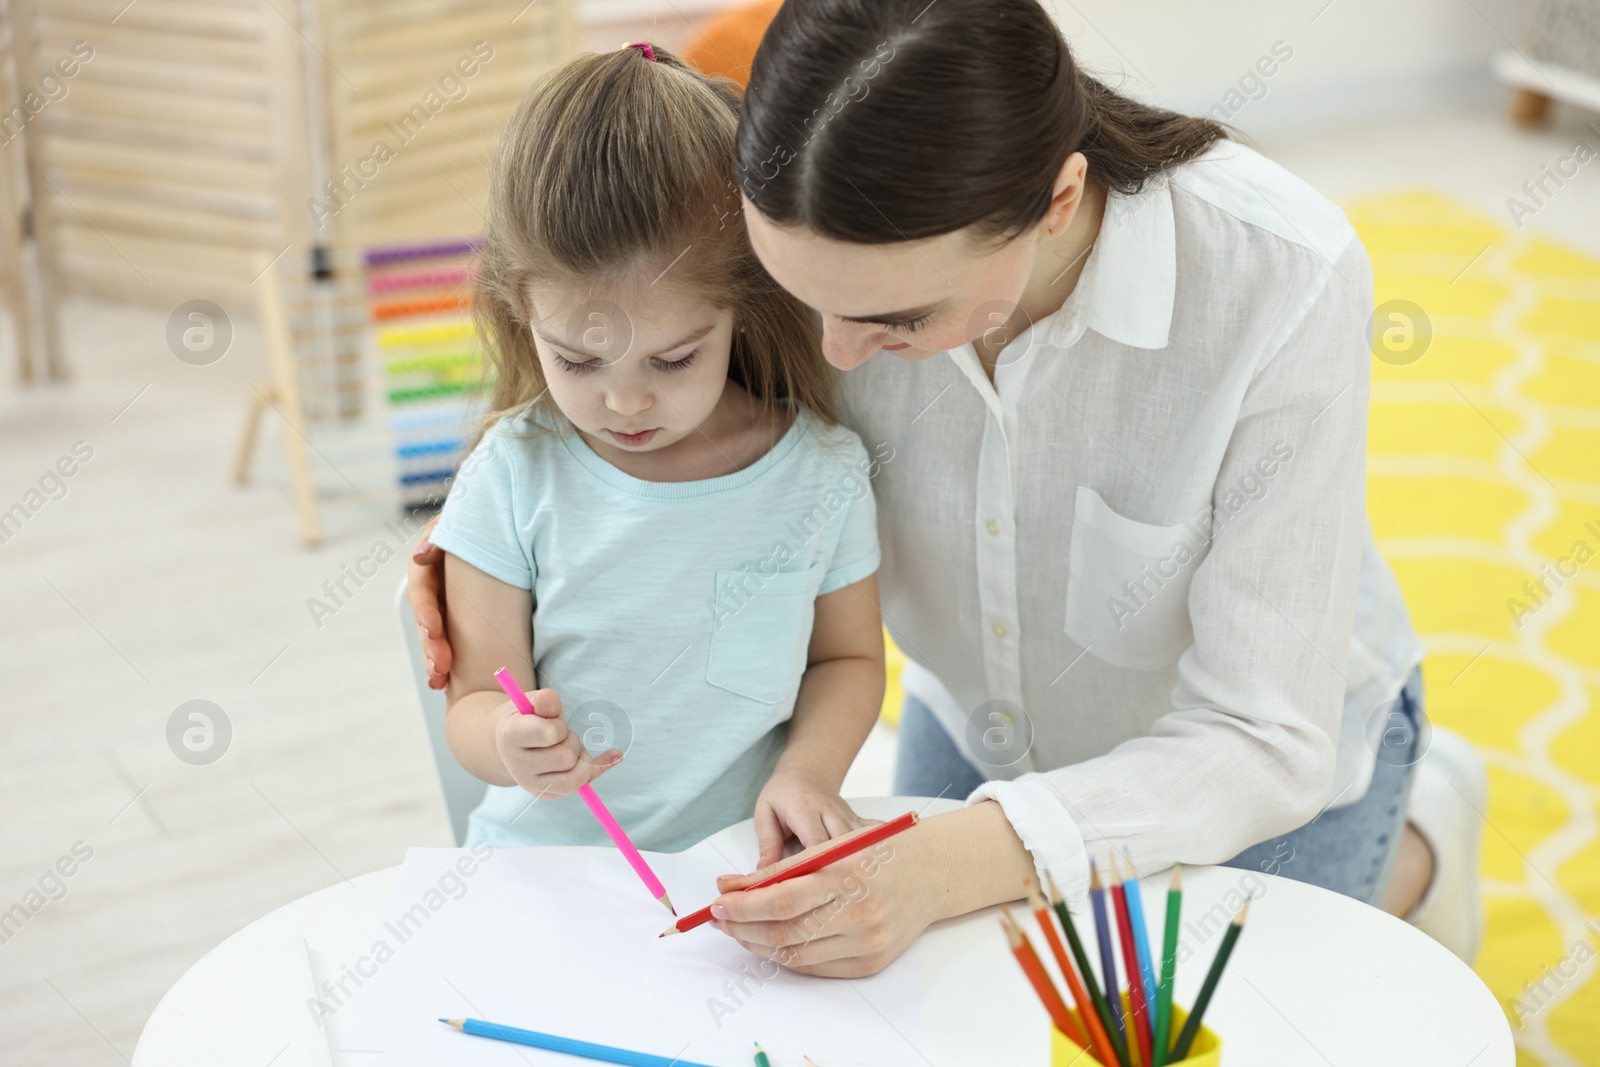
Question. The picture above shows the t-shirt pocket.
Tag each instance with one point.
(760, 632)
(1128, 585)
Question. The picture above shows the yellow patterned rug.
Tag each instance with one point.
(1484, 493)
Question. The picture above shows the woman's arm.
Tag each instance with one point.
(840, 694)
(855, 917)
(490, 626)
(1247, 750)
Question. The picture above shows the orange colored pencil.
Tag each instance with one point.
(1138, 1004)
(1039, 979)
(1099, 1045)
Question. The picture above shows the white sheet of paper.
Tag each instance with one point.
(563, 941)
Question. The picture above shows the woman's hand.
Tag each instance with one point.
(541, 753)
(425, 590)
(854, 917)
(794, 804)
(850, 919)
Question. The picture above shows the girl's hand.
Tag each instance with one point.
(795, 805)
(850, 919)
(546, 758)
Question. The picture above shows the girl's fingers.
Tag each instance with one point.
(810, 829)
(571, 771)
(599, 765)
(538, 732)
(729, 883)
(839, 823)
(769, 835)
(546, 703)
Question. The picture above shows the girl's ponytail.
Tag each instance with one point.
(618, 164)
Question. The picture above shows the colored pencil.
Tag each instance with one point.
(1099, 1046)
(761, 1057)
(1138, 1005)
(1181, 1048)
(601, 813)
(1141, 933)
(571, 1046)
(1108, 959)
(847, 846)
(1022, 949)
(1169, 969)
(1081, 955)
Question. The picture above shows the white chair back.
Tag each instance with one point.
(462, 792)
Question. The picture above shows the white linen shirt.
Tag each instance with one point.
(1134, 577)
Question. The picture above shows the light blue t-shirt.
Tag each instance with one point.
(672, 618)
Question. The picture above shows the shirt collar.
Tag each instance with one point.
(1126, 290)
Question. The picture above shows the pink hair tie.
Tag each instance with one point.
(643, 46)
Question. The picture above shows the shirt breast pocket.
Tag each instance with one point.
(1128, 585)
(761, 631)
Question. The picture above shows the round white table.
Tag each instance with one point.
(1316, 978)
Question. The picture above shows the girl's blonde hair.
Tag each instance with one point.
(613, 165)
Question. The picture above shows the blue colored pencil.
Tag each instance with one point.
(1141, 938)
(1108, 958)
(570, 1046)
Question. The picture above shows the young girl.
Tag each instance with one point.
(663, 535)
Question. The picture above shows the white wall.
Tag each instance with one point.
(606, 24)
(1351, 59)
(1358, 59)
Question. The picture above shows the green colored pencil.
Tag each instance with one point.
(1101, 1008)
(1169, 968)
(761, 1057)
(1192, 1027)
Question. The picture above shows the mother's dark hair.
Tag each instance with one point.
(875, 121)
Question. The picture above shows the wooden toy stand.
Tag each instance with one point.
(198, 141)
(433, 88)
(314, 333)
(27, 252)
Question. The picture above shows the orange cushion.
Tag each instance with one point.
(727, 43)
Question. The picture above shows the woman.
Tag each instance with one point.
(1124, 534)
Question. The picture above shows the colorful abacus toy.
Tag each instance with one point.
(419, 302)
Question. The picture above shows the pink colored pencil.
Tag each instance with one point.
(602, 814)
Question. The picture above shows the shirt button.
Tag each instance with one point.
(999, 629)
(993, 527)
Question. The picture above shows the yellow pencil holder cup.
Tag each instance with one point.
(1205, 1052)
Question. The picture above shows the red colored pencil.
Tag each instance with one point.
(1099, 1045)
(847, 846)
(1139, 1007)
(1039, 979)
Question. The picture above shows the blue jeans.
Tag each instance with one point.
(1349, 850)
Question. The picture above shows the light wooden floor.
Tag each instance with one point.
(154, 581)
